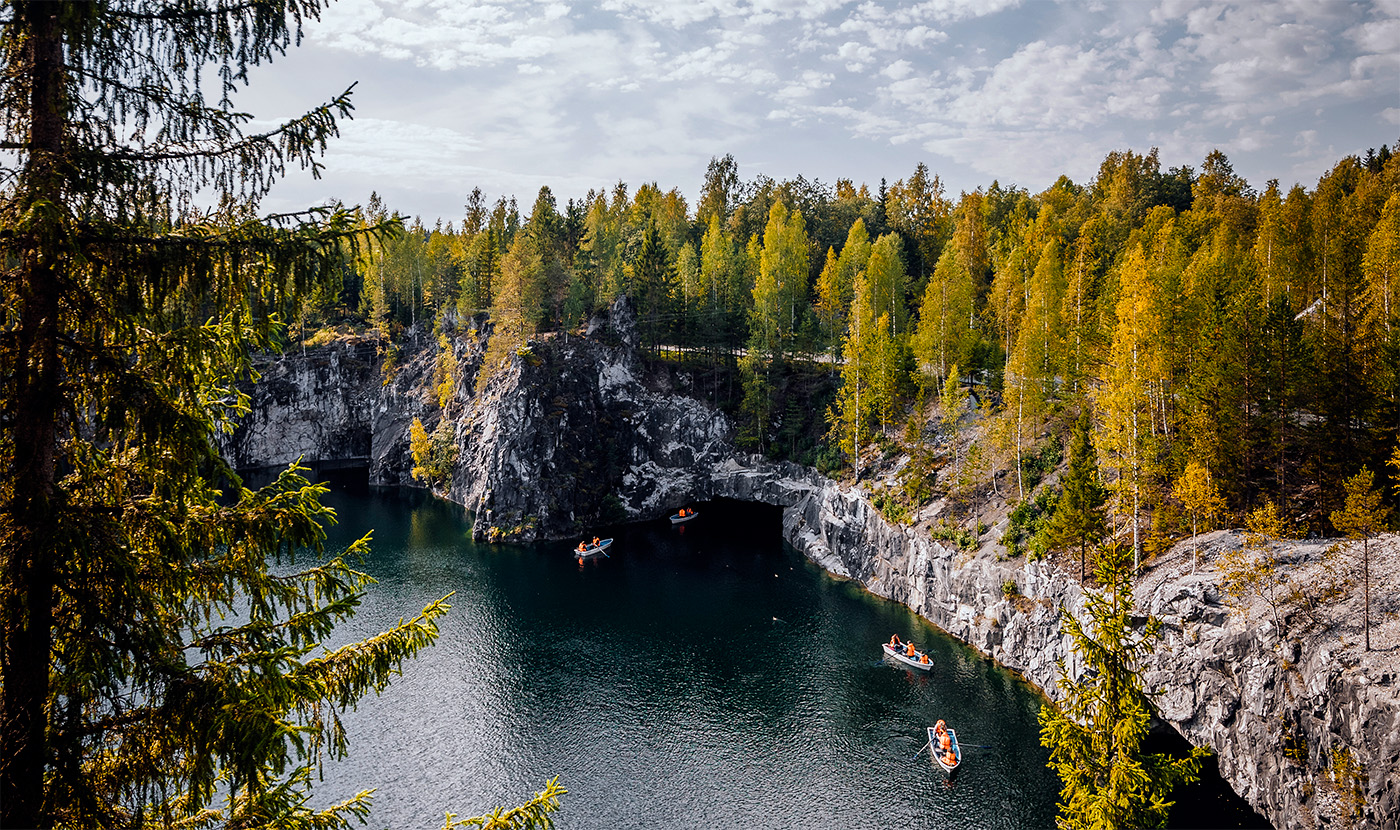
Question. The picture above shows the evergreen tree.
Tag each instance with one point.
(153, 669)
(653, 278)
(1362, 517)
(1095, 734)
(1079, 514)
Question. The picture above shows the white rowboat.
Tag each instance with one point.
(938, 754)
(593, 550)
(898, 654)
(677, 518)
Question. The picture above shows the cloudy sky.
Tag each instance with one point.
(510, 95)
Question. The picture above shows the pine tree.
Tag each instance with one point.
(1095, 734)
(1079, 514)
(1363, 517)
(653, 278)
(128, 548)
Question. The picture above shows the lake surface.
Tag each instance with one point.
(704, 677)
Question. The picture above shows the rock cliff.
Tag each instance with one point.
(573, 432)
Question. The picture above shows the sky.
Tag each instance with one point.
(512, 95)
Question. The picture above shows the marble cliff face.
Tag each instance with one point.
(573, 433)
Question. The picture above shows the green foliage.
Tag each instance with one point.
(891, 506)
(965, 540)
(613, 510)
(535, 814)
(1029, 525)
(1095, 735)
(1036, 467)
(156, 669)
(756, 408)
(1009, 589)
(1079, 516)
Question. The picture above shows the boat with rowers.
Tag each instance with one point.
(684, 515)
(947, 753)
(588, 550)
(907, 654)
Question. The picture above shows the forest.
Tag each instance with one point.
(1196, 318)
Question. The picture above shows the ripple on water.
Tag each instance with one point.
(713, 679)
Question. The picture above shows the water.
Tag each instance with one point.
(705, 677)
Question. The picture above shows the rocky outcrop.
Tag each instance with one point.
(319, 404)
(572, 431)
(345, 404)
(570, 434)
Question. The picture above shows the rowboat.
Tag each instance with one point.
(898, 654)
(952, 768)
(677, 518)
(593, 550)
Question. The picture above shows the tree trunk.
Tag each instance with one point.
(1366, 592)
(28, 567)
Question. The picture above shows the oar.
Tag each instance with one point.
(921, 749)
(974, 746)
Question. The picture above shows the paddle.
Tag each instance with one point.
(974, 746)
(921, 750)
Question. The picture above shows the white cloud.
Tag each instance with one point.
(1011, 90)
(899, 70)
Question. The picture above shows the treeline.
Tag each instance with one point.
(1256, 332)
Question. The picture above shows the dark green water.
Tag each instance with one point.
(709, 677)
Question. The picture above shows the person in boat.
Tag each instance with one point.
(582, 546)
(909, 650)
(894, 641)
(596, 540)
(923, 659)
(949, 759)
(939, 728)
